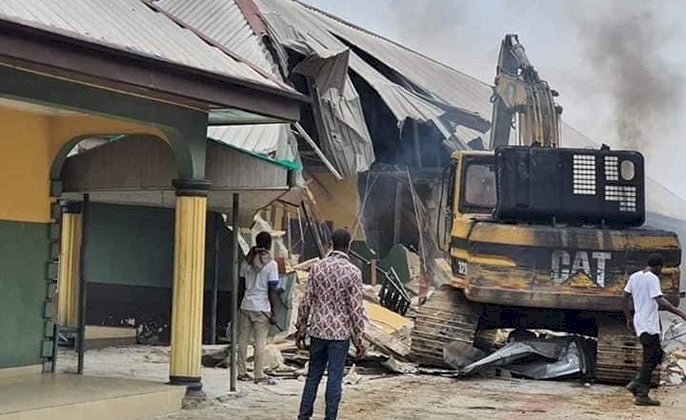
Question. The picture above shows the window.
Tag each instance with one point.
(479, 188)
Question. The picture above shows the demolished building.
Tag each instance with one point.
(379, 132)
(376, 137)
(383, 119)
(378, 106)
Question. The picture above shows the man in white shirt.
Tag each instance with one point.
(260, 273)
(643, 289)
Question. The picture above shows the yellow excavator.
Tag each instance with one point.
(540, 236)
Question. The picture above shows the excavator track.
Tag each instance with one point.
(619, 354)
(445, 317)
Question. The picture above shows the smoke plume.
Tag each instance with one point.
(428, 21)
(623, 44)
(442, 29)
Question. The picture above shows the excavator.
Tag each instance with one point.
(541, 237)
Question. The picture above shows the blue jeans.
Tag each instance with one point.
(324, 355)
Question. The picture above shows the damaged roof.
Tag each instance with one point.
(412, 85)
(302, 28)
(269, 139)
(328, 59)
(435, 80)
(134, 27)
(439, 81)
(224, 22)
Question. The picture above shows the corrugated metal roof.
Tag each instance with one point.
(224, 23)
(270, 139)
(130, 26)
(344, 138)
(402, 103)
(301, 30)
(440, 81)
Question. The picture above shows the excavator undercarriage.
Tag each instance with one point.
(448, 317)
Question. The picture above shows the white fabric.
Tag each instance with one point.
(644, 287)
(257, 286)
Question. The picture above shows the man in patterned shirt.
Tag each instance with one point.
(331, 313)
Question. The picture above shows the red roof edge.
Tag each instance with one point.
(253, 16)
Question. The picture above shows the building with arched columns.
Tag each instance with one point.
(127, 73)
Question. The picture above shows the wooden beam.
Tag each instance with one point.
(417, 146)
(397, 212)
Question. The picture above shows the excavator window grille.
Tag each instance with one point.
(625, 194)
(611, 168)
(584, 175)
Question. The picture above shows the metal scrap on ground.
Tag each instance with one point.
(533, 358)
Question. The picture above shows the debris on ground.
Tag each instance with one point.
(674, 345)
(215, 357)
(273, 359)
(400, 368)
(352, 378)
(674, 336)
(390, 322)
(539, 358)
(386, 343)
(443, 273)
(389, 397)
(460, 354)
(371, 293)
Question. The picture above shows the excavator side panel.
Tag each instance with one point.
(551, 267)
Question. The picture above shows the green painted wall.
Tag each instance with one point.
(23, 286)
(130, 245)
(134, 246)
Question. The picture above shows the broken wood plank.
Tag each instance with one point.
(386, 343)
(306, 265)
(397, 212)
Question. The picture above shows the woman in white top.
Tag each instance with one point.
(260, 273)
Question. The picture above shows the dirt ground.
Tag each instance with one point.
(389, 397)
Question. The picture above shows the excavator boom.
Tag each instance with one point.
(519, 91)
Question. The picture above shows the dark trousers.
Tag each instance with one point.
(324, 355)
(652, 357)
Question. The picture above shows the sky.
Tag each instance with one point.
(618, 64)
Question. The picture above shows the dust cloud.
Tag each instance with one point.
(623, 42)
(443, 30)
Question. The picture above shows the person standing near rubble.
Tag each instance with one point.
(643, 288)
(332, 314)
(260, 274)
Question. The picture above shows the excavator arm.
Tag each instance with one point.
(519, 91)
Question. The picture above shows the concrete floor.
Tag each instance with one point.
(74, 397)
(391, 397)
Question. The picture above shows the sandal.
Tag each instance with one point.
(244, 378)
(267, 380)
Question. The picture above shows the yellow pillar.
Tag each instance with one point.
(188, 288)
(70, 253)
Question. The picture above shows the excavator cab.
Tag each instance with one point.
(468, 192)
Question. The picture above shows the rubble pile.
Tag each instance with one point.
(674, 345)
(674, 367)
(387, 338)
